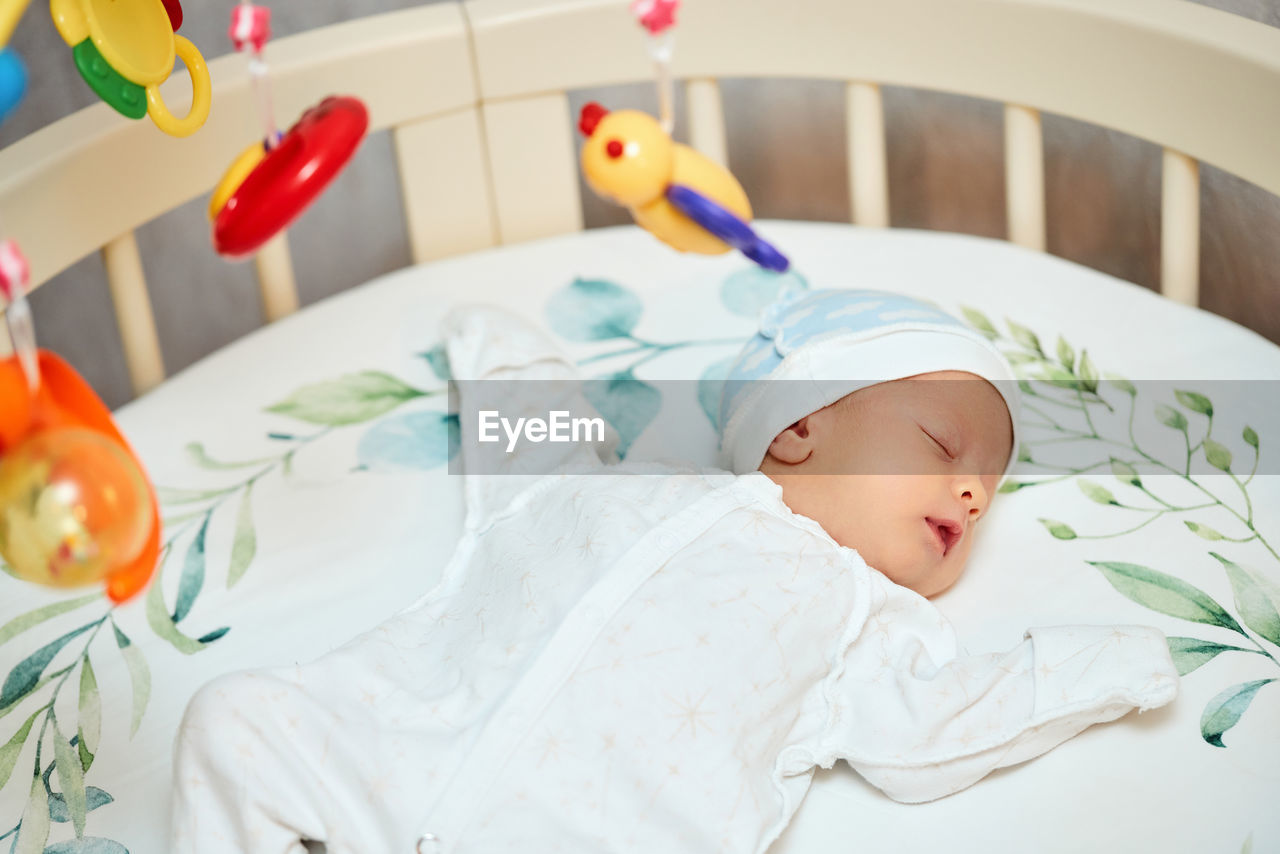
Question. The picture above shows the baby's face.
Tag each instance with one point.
(900, 471)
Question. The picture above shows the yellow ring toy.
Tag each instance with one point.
(201, 94)
(136, 39)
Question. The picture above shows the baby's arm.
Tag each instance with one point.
(502, 364)
(920, 724)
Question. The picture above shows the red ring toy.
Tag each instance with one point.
(290, 175)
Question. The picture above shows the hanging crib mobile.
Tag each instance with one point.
(682, 197)
(76, 507)
(124, 50)
(274, 180)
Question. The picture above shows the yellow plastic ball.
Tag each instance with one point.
(73, 507)
(628, 158)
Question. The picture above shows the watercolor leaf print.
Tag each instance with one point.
(90, 708)
(198, 455)
(1256, 599)
(746, 292)
(438, 360)
(629, 404)
(87, 845)
(347, 400)
(1190, 653)
(412, 440)
(70, 777)
(244, 545)
(31, 619)
(1068, 400)
(594, 310)
(139, 677)
(710, 385)
(72, 756)
(1224, 710)
(9, 752)
(161, 621)
(25, 675)
(1166, 594)
(597, 310)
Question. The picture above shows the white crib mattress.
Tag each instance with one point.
(306, 496)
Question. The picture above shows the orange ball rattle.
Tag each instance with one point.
(73, 506)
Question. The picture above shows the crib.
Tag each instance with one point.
(485, 149)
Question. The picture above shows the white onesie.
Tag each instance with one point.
(633, 658)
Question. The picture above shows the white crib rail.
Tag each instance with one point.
(868, 160)
(475, 96)
(1024, 176)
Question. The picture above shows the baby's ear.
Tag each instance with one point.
(793, 445)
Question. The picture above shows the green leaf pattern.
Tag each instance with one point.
(70, 778)
(1256, 597)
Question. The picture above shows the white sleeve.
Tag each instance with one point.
(500, 363)
(920, 723)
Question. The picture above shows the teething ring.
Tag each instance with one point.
(279, 184)
(201, 93)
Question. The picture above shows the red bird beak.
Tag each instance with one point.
(591, 115)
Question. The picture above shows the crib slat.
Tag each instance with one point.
(445, 185)
(1180, 228)
(868, 164)
(533, 167)
(706, 119)
(276, 283)
(1024, 176)
(133, 312)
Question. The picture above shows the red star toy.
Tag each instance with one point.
(655, 15)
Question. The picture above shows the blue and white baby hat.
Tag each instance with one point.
(815, 347)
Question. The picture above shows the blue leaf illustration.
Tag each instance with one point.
(414, 440)
(594, 310)
(94, 798)
(438, 359)
(26, 674)
(87, 845)
(628, 403)
(747, 291)
(710, 385)
(192, 574)
(213, 635)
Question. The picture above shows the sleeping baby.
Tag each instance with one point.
(655, 657)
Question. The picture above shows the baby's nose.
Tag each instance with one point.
(975, 498)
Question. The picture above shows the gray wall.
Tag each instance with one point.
(946, 172)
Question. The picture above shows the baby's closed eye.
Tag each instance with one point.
(939, 438)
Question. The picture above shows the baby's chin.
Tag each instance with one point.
(928, 578)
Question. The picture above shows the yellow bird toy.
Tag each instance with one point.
(683, 198)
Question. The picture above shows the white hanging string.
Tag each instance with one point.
(17, 316)
(661, 47)
(242, 33)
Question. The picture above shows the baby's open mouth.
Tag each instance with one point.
(947, 532)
